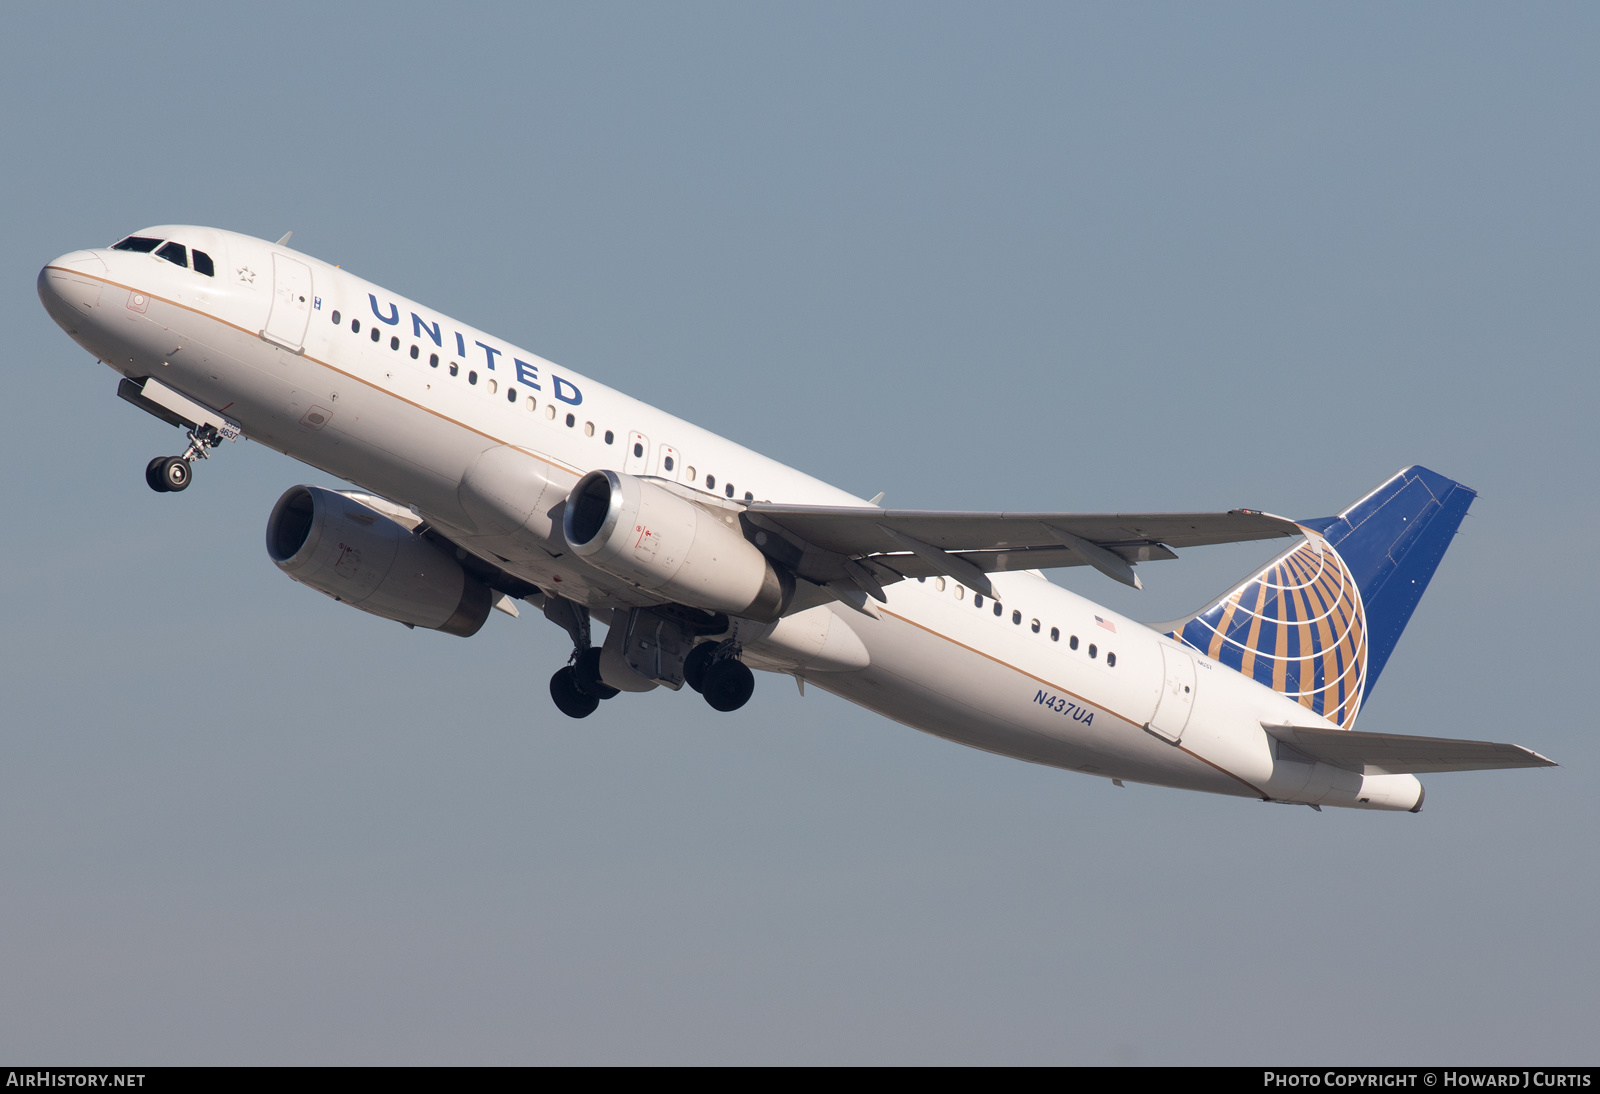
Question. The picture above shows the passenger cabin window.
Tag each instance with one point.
(394, 343)
(335, 314)
(977, 600)
(1016, 617)
(433, 360)
(638, 450)
(728, 489)
(511, 394)
(204, 265)
(999, 609)
(376, 334)
(1072, 643)
(610, 436)
(1111, 660)
(748, 496)
(588, 429)
(1092, 651)
(938, 583)
(711, 482)
(1035, 626)
(1055, 634)
(415, 352)
(455, 369)
(472, 377)
(175, 253)
(493, 386)
(666, 462)
(140, 244)
(355, 326)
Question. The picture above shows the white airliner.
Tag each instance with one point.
(489, 477)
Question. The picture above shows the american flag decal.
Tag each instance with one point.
(1107, 624)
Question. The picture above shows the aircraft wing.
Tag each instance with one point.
(1397, 754)
(827, 543)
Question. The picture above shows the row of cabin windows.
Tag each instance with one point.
(1016, 619)
(171, 250)
(532, 403)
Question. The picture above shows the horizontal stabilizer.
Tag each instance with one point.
(1398, 754)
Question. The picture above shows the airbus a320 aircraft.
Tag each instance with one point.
(488, 477)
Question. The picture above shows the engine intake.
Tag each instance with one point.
(356, 555)
(638, 531)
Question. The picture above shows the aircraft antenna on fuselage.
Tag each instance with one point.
(285, 238)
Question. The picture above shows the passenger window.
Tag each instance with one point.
(355, 326)
(688, 472)
(638, 450)
(175, 253)
(140, 244)
(572, 420)
(511, 394)
(728, 489)
(1111, 660)
(938, 583)
(550, 410)
(472, 376)
(376, 334)
(494, 386)
(394, 343)
(433, 360)
(999, 609)
(335, 314)
(1091, 650)
(533, 404)
(960, 592)
(1016, 617)
(748, 496)
(455, 369)
(1055, 634)
(588, 429)
(977, 600)
(204, 265)
(1072, 643)
(666, 463)
(415, 353)
(711, 482)
(1035, 626)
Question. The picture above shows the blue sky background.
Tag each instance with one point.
(1090, 257)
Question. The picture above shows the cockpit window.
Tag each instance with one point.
(142, 244)
(175, 253)
(202, 264)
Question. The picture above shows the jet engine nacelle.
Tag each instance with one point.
(357, 555)
(638, 531)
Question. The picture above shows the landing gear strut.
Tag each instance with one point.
(715, 671)
(169, 474)
(577, 688)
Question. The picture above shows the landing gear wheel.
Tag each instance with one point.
(695, 665)
(152, 475)
(174, 473)
(569, 700)
(586, 675)
(728, 685)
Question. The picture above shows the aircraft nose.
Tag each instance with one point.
(69, 287)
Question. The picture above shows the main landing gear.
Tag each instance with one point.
(577, 689)
(715, 671)
(169, 474)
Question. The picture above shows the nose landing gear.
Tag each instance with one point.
(169, 474)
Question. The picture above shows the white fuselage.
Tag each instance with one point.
(381, 416)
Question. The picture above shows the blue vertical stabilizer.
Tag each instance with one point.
(1319, 622)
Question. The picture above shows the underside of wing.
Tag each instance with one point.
(1398, 754)
(867, 544)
